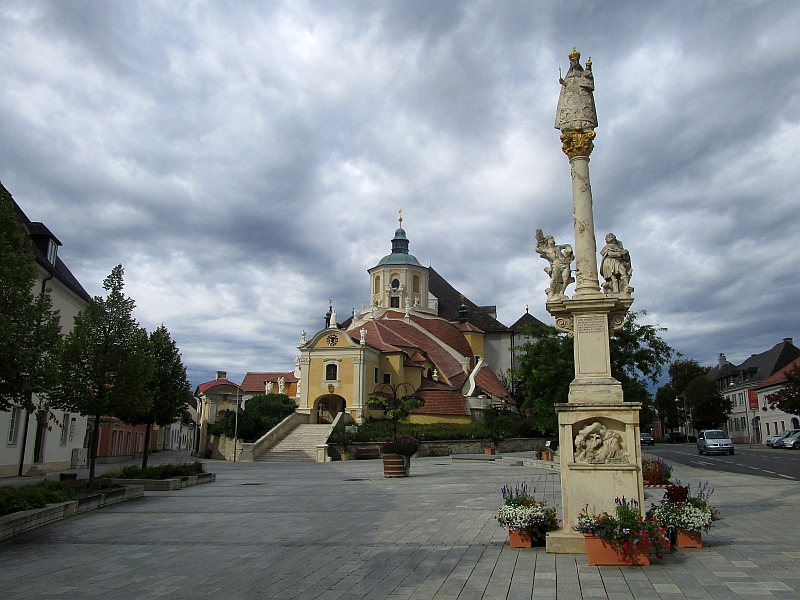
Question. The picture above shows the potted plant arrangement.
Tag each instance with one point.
(527, 519)
(343, 439)
(491, 421)
(656, 471)
(396, 453)
(625, 538)
(685, 516)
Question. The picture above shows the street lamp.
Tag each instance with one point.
(236, 426)
(394, 400)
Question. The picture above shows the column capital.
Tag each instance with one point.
(577, 143)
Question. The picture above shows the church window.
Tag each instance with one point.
(394, 301)
(377, 284)
(415, 284)
(331, 372)
(377, 374)
(395, 283)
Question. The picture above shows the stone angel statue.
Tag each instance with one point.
(560, 258)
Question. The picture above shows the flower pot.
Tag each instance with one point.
(600, 552)
(395, 465)
(518, 538)
(490, 450)
(345, 455)
(547, 456)
(689, 539)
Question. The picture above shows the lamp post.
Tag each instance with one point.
(393, 403)
(236, 426)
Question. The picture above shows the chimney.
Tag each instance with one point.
(722, 360)
(222, 375)
(789, 341)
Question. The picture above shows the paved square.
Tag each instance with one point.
(343, 531)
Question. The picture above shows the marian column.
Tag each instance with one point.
(598, 432)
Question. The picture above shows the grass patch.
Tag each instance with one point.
(28, 497)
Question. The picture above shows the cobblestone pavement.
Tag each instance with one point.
(340, 530)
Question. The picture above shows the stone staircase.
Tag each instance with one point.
(299, 446)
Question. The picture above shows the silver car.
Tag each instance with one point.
(710, 441)
(793, 441)
(776, 441)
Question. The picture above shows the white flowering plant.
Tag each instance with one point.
(681, 510)
(522, 512)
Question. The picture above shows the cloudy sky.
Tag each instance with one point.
(245, 161)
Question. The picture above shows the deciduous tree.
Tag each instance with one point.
(105, 366)
(709, 409)
(670, 405)
(788, 399)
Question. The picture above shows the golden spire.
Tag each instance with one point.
(574, 55)
(400, 212)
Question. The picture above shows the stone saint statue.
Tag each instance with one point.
(597, 444)
(576, 109)
(560, 258)
(268, 387)
(615, 267)
(281, 383)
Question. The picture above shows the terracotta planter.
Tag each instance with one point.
(395, 465)
(599, 552)
(490, 450)
(689, 539)
(345, 455)
(519, 539)
(547, 456)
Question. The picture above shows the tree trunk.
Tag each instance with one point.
(93, 449)
(146, 445)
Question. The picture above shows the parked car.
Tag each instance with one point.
(793, 441)
(710, 441)
(776, 441)
(646, 439)
(676, 437)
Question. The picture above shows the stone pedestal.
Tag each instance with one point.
(595, 485)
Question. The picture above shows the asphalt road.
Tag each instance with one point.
(765, 462)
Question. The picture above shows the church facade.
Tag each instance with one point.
(418, 335)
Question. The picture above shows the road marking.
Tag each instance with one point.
(765, 471)
(700, 462)
(786, 476)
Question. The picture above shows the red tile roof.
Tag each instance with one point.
(444, 402)
(253, 383)
(204, 387)
(488, 382)
(780, 376)
(467, 327)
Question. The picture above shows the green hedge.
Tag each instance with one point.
(162, 471)
(379, 430)
(28, 497)
(262, 413)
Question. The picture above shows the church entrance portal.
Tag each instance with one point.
(326, 408)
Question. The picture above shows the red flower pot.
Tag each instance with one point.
(519, 539)
(395, 465)
(689, 539)
(600, 552)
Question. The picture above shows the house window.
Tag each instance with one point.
(52, 252)
(395, 283)
(113, 448)
(331, 372)
(394, 301)
(13, 426)
(128, 443)
(767, 428)
(65, 429)
(72, 423)
(377, 374)
(783, 427)
(387, 378)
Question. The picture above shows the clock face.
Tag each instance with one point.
(332, 340)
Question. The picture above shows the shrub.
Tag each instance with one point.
(512, 426)
(405, 445)
(656, 471)
(163, 471)
(28, 497)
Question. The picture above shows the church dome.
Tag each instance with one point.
(399, 255)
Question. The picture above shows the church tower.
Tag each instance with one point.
(398, 280)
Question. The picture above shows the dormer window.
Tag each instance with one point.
(52, 251)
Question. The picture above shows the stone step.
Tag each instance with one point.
(299, 446)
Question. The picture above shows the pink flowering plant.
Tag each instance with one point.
(522, 512)
(404, 445)
(625, 529)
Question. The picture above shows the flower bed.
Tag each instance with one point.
(521, 512)
(680, 510)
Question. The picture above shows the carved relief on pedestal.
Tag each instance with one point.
(565, 325)
(597, 444)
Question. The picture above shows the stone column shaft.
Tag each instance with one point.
(588, 283)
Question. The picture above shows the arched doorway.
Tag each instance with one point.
(795, 423)
(326, 408)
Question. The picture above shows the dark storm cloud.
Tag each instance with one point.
(246, 162)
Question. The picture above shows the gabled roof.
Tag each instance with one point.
(59, 271)
(526, 320)
(780, 376)
(204, 387)
(253, 383)
(442, 402)
(450, 300)
(761, 366)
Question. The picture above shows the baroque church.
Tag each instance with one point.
(417, 335)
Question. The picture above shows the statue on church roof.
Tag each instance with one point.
(576, 110)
